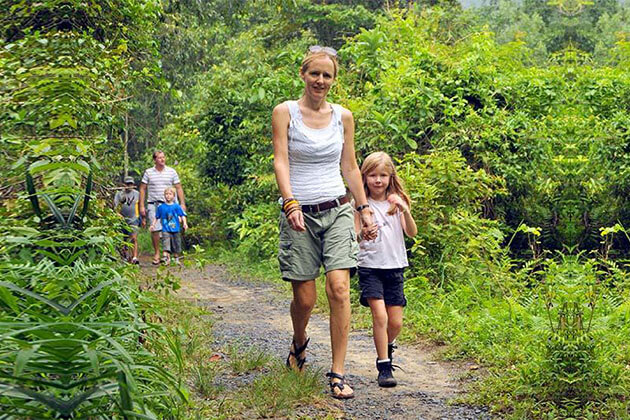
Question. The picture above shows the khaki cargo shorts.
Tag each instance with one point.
(329, 240)
(151, 211)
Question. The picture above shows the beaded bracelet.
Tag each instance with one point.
(292, 210)
(288, 203)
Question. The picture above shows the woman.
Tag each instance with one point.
(313, 143)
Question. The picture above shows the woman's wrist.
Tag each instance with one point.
(290, 205)
(366, 212)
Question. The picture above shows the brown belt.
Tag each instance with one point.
(314, 208)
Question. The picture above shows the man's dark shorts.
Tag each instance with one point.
(384, 284)
(132, 227)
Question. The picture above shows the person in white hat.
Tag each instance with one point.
(126, 202)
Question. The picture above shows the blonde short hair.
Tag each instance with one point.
(171, 189)
(312, 56)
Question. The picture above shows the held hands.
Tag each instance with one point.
(396, 203)
(369, 229)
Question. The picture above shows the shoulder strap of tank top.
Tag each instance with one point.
(294, 111)
(337, 112)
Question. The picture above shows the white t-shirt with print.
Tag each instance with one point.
(388, 249)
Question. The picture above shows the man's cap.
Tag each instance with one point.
(129, 180)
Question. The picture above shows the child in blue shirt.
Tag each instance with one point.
(173, 218)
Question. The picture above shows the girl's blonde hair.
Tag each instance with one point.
(395, 186)
(312, 56)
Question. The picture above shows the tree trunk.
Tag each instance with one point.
(126, 145)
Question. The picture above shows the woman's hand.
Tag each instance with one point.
(296, 220)
(397, 203)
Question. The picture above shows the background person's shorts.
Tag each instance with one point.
(151, 209)
(172, 242)
(132, 227)
(382, 283)
(329, 240)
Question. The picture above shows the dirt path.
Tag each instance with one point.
(257, 314)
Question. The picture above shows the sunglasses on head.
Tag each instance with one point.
(318, 48)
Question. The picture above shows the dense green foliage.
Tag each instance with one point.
(509, 127)
(70, 316)
(510, 130)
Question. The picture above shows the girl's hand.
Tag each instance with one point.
(185, 226)
(397, 203)
(296, 221)
(369, 229)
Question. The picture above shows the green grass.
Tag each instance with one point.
(246, 359)
(274, 392)
(500, 321)
(144, 242)
(275, 395)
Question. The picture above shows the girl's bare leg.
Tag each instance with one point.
(394, 322)
(379, 326)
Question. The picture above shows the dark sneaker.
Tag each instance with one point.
(385, 376)
(390, 350)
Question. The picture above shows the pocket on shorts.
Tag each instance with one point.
(284, 255)
(354, 245)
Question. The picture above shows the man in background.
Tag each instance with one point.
(154, 181)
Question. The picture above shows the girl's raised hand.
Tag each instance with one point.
(397, 203)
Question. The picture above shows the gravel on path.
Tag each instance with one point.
(257, 314)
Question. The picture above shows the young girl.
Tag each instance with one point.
(382, 260)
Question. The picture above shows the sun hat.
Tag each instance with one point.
(129, 180)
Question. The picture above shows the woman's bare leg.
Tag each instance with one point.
(338, 292)
(304, 297)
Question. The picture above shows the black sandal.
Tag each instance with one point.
(299, 361)
(340, 385)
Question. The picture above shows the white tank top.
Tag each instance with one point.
(388, 249)
(315, 157)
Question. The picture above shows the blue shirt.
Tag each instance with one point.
(169, 215)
